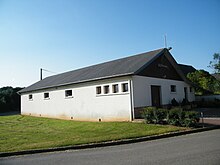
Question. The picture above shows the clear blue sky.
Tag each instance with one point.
(63, 35)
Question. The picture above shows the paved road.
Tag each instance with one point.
(197, 149)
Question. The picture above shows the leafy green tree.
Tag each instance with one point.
(215, 64)
(9, 99)
(204, 81)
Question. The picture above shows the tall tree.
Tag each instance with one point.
(215, 63)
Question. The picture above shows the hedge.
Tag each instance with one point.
(175, 116)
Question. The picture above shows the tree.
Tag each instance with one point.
(204, 81)
(9, 99)
(215, 63)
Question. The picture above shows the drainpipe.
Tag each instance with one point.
(131, 99)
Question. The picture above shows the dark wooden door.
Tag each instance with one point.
(186, 93)
(155, 96)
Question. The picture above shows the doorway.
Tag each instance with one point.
(185, 93)
(156, 95)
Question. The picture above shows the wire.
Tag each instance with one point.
(48, 71)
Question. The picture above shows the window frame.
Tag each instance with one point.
(68, 95)
(106, 89)
(173, 88)
(115, 88)
(99, 90)
(45, 95)
(30, 97)
(124, 87)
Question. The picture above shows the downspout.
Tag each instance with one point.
(132, 99)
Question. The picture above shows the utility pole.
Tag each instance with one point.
(41, 72)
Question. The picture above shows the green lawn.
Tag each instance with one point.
(24, 132)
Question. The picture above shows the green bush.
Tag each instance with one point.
(191, 119)
(148, 114)
(160, 115)
(175, 116)
(154, 115)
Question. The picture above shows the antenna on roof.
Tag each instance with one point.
(41, 72)
(165, 40)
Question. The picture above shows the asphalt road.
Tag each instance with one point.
(197, 149)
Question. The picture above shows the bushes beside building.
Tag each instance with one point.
(175, 116)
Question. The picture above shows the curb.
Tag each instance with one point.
(109, 143)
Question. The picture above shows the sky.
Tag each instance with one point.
(64, 35)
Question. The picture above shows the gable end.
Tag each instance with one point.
(161, 68)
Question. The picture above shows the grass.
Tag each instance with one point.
(19, 133)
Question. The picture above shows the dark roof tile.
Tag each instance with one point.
(124, 66)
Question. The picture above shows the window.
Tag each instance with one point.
(30, 97)
(125, 87)
(106, 89)
(46, 95)
(68, 93)
(98, 90)
(173, 88)
(115, 88)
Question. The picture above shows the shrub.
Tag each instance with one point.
(191, 119)
(184, 102)
(175, 116)
(154, 115)
(148, 114)
(160, 116)
(174, 102)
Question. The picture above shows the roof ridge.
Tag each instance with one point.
(113, 68)
(105, 62)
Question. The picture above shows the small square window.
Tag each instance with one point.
(30, 97)
(115, 88)
(68, 93)
(106, 89)
(46, 95)
(125, 87)
(173, 88)
(98, 90)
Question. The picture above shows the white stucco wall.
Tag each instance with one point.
(84, 105)
(142, 90)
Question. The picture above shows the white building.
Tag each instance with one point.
(111, 91)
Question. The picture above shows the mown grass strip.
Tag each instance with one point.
(18, 133)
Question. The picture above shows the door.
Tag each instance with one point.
(155, 95)
(186, 93)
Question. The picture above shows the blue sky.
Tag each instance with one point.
(63, 35)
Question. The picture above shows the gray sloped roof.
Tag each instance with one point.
(121, 67)
(186, 69)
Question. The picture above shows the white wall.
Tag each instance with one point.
(142, 90)
(84, 105)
